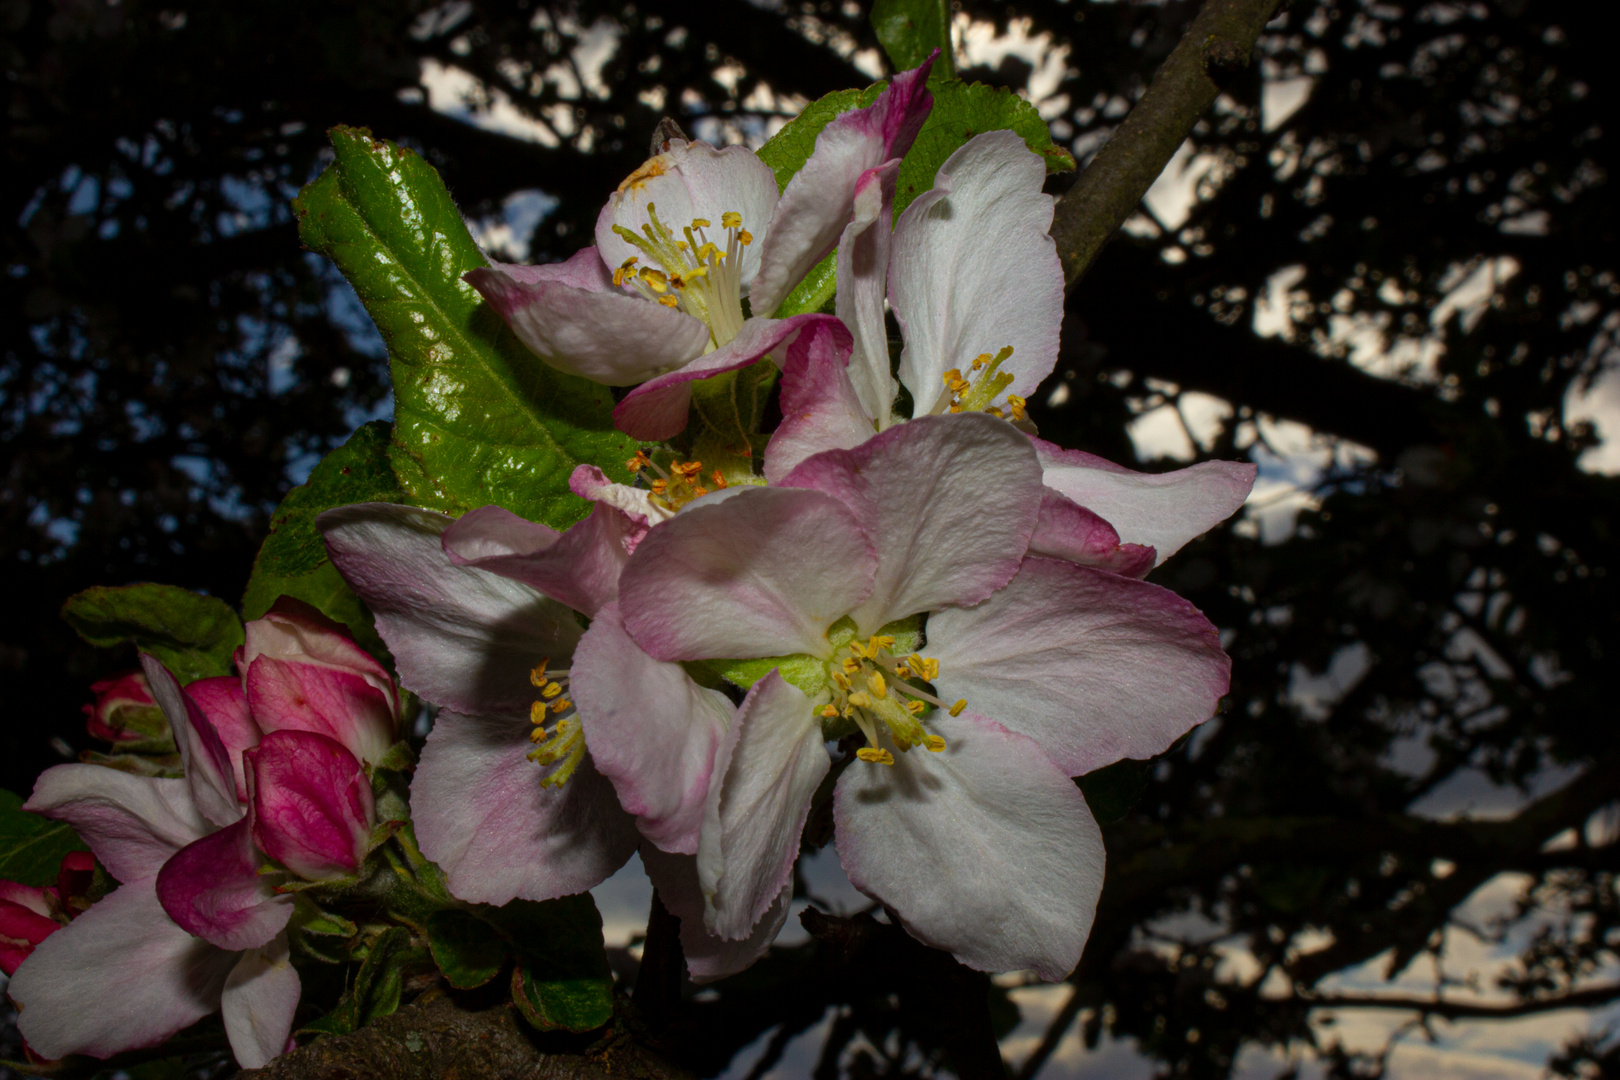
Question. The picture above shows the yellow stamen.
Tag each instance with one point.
(657, 279)
(719, 479)
(915, 708)
(537, 714)
(956, 710)
(731, 220)
(700, 223)
(934, 743)
(537, 674)
(744, 237)
(860, 700)
(875, 756)
(876, 684)
(669, 301)
(560, 705)
(829, 711)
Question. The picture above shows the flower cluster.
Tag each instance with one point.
(939, 608)
(900, 606)
(273, 787)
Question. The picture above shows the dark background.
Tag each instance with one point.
(1423, 694)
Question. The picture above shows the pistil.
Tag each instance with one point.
(698, 276)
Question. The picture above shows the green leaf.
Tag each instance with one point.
(909, 30)
(292, 561)
(194, 635)
(961, 111)
(467, 949)
(31, 847)
(377, 987)
(478, 419)
(562, 980)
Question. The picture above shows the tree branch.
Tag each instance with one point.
(1219, 40)
(1575, 999)
(429, 1039)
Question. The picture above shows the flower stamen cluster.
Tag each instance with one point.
(698, 276)
(979, 393)
(557, 736)
(864, 694)
(679, 485)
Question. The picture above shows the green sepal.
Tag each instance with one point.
(808, 673)
(32, 847)
(909, 30)
(377, 987)
(292, 560)
(321, 935)
(195, 636)
(467, 949)
(478, 418)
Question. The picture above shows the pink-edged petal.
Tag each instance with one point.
(287, 696)
(973, 269)
(606, 335)
(462, 637)
(213, 888)
(133, 824)
(312, 804)
(820, 409)
(769, 766)
(591, 483)
(1158, 510)
(949, 502)
(224, 702)
(763, 573)
(209, 774)
(657, 409)
(121, 976)
(815, 205)
(985, 850)
(863, 271)
(1093, 666)
(295, 631)
(260, 996)
(579, 568)
(28, 897)
(709, 956)
(482, 815)
(651, 730)
(1069, 531)
(690, 180)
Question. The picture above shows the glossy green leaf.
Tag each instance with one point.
(467, 949)
(562, 980)
(961, 111)
(31, 847)
(292, 561)
(909, 30)
(478, 419)
(194, 635)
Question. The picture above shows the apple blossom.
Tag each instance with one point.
(659, 300)
(818, 594)
(974, 280)
(126, 973)
(29, 914)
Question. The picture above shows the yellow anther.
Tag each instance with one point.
(560, 705)
(875, 756)
(744, 237)
(639, 462)
(829, 711)
(858, 649)
(876, 684)
(934, 743)
(902, 670)
(860, 700)
(956, 710)
(537, 674)
(879, 641)
(537, 713)
(551, 690)
(706, 252)
(719, 479)
(700, 223)
(538, 734)
(658, 486)
(995, 412)
(851, 665)
(687, 470)
(952, 376)
(915, 708)
(843, 683)
(669, 301)
(924, 667)
(731, 220)
(656, 279)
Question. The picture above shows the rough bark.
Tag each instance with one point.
(444, 1037)
(1220, 40)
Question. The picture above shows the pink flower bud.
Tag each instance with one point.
(303, 673)
(312, 805)
(30, 914)
(125, 713)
